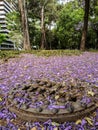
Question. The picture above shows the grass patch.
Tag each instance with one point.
(93, 50)
(46, 53)
(8, 54)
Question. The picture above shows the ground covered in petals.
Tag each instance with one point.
(54, 68)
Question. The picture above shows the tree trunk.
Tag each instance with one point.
(24, 23)
(85, 27)
(43, 35)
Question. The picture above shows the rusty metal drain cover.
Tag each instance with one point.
(41, 100)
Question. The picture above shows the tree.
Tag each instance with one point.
(85, 26)
(94, 20)
(43, 35)
(14, 27)
(69, 26)
(24, 23)
(43, 11)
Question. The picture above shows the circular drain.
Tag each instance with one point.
(41, 100)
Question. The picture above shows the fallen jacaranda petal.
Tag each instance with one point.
(68, 128)
(83, 122)
(96, 124)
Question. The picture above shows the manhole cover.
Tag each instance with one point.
(41, 100)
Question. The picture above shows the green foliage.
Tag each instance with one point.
(96, 9)
(69, 23)
(34, 31)
(50, 15)
(8, 54)
(13, 19)
(2, 37)
(69, 18)
(93, 29)
(91, 39)
(14, 26)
